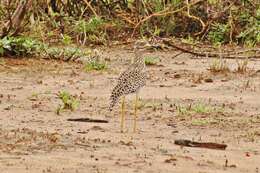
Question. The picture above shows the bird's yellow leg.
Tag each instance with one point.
(135, 111)
(122, 114)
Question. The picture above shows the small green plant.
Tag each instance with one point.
(193, 109)
(176, 3)
(91, 30)
(91, 26)
(69, 102)
(151, 60)
(219, 66)
(66, 39)
(250, 35)
(182, 110)
(219, 33)
(95, 65)
(200, 108)
(19, 46)
(189, 40)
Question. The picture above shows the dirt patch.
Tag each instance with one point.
(183, 99)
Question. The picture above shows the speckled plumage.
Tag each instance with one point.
(131, 80)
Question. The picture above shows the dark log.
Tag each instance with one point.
(88, 120)
(209, 145)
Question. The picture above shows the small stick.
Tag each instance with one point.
(209, 145)
(88, 120)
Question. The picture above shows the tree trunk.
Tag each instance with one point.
(13, 26)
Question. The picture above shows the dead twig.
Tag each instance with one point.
(90, 7)
(88, 120)
(209, 145)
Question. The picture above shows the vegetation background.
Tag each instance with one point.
(203, 85)
(27, 26)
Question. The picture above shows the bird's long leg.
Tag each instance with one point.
(135, 110)
(122, 114)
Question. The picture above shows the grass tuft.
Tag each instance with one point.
(151, 60)
(68, 102)
(242, 66)
(219, 66)
(95, 66)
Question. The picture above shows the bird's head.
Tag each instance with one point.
(142, 45)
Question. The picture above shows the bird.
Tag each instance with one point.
(131, 81)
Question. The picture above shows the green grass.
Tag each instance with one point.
(68, 102)
(204, 122)
(20, 46)
(198, 108)
(93, 25)
(91, 30)
(151, 60)
(95, 66)
(200, 114)
(219, 33)
(201, 108)
(65, 53)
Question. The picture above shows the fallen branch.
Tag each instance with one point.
(209, 145)
(88, 120)
(202, 53)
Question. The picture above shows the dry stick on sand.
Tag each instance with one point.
(88, 120)
(209, 145)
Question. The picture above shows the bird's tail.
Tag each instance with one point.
(113, 100)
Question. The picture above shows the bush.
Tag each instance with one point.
(19, 46)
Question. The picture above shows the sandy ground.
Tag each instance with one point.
(182, 100)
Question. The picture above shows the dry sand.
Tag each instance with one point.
(33, 138)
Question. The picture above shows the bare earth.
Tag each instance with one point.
(177, 103)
